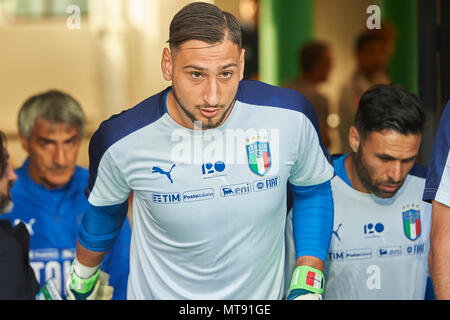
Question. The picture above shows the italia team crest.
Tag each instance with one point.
(258, 155)
(411, 222)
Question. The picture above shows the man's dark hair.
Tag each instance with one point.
(205, 22)
(366, 38)
(3, 154)
(386, 106)
(311, 54)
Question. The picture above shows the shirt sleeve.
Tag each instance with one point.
(313, 214)
(107, 194)
(110, 186)
(313, 164)
(437, 186)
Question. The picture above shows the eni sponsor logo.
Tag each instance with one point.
(235, 189)
(394, 251)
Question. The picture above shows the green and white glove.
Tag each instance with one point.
(307, 284)
(96, 287)
(49, 291)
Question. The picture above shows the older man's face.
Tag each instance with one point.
(53, 150)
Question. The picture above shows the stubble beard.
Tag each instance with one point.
(365, 174)
(6, 204)
(209, 124)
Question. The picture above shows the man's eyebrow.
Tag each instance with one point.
(229, 65)
(75, 136)
(191, 66)
(194, 67)
(411, 158)
(43, 139)
(388, 157)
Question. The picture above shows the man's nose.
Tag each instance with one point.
(12, 176)
(59, 156)
(211, 93)
(395, 171)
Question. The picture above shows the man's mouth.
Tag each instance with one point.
(59, 171)
(389, 187)
(209, 113)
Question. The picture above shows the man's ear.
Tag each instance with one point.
(242, 63)
(166, 64)
(354, 138)
(25, 143)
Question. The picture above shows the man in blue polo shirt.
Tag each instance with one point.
(49, 194)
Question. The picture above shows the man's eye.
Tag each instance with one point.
(70, 142)
(227, 74)
(409, 160)
(196, 75)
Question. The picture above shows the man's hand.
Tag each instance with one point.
(307, 284)
(95, 287)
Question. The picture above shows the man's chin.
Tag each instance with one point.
(384, 193)
(7, 207)
(211, 125)
(57, 182)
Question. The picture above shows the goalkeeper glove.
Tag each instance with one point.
(96, 287)
(307, 284)
(49, 291)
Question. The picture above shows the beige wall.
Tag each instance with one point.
(41, 56)
(231, 6)
(338, 23)
(111, 63)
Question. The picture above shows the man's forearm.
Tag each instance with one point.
(88, 257)
(310, 261)
(439, 259)
(312, 223)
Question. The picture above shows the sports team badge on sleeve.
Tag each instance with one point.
(258, 155)
(411, 222)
